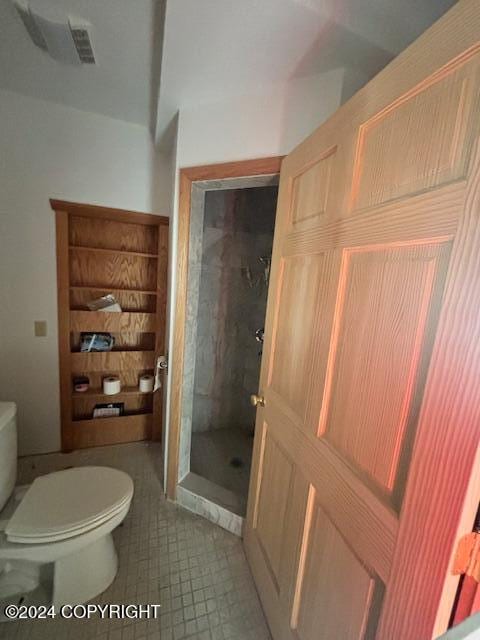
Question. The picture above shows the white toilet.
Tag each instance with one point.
(63, 519)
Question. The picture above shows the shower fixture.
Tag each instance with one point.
(255, 280)
(252, 281)
(266, 261)
(259, 336)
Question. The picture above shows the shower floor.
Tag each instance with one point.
(212, 452)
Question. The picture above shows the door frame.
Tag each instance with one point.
(187, 177)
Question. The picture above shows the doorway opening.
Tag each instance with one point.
(230, 239)
(235, 255)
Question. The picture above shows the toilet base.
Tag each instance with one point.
(80, 576)
(76, 569)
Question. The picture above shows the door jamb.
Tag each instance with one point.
(241, 169)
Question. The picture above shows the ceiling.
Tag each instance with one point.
(215, 48)
(212, 49)
(126, 37)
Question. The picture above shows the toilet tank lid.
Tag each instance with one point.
(7, 412)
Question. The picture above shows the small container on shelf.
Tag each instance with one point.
(111, 385)
(81, 384)
(96, 341)
(108, 410)
(145, 384)
(105, 303)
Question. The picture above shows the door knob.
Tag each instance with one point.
(257, 401)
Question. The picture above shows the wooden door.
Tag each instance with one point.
(365, 468)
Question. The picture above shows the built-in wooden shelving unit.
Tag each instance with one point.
(102, 251)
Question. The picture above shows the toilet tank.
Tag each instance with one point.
(8, 450)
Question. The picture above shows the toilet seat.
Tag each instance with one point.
(68, 503)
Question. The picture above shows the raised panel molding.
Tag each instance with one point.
(273, 495)
(334, 591)
(383, 305)
(421, 141)
(310, 190)
(293, 332)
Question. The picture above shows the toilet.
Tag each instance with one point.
(63, 519)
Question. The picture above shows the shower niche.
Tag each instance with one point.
(231, 238)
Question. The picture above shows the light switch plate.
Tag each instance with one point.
(40, 328)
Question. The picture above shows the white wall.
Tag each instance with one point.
(51, 151)
(237, 128)
(309, 101)
(264, 124)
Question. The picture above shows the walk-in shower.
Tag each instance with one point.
(231, 239)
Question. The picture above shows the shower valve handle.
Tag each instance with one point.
(257, 401)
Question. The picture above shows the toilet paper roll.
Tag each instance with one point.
(111, 385)
(145, 384)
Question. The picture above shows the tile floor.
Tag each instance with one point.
(194, 569)
(212, 452)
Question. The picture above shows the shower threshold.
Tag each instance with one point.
(211, 501)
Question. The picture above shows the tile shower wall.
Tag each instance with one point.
(237, 230)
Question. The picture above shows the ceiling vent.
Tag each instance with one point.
(68, 42)
(83, 44)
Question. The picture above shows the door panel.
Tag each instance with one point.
(365, 476)
(275, 493)
(311, 190)
(384, 297)
(419, 142)
(334, 590)
(295, 328)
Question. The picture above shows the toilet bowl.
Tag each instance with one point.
(65, 519)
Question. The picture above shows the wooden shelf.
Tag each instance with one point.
(112, 322)
(111, 361)
(112, 419)
(98, 393)
(97, 432)
(137, 254)
(107, 289)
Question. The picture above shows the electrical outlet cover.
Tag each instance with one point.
(40, 328)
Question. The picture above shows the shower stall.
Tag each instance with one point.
(231, 239)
